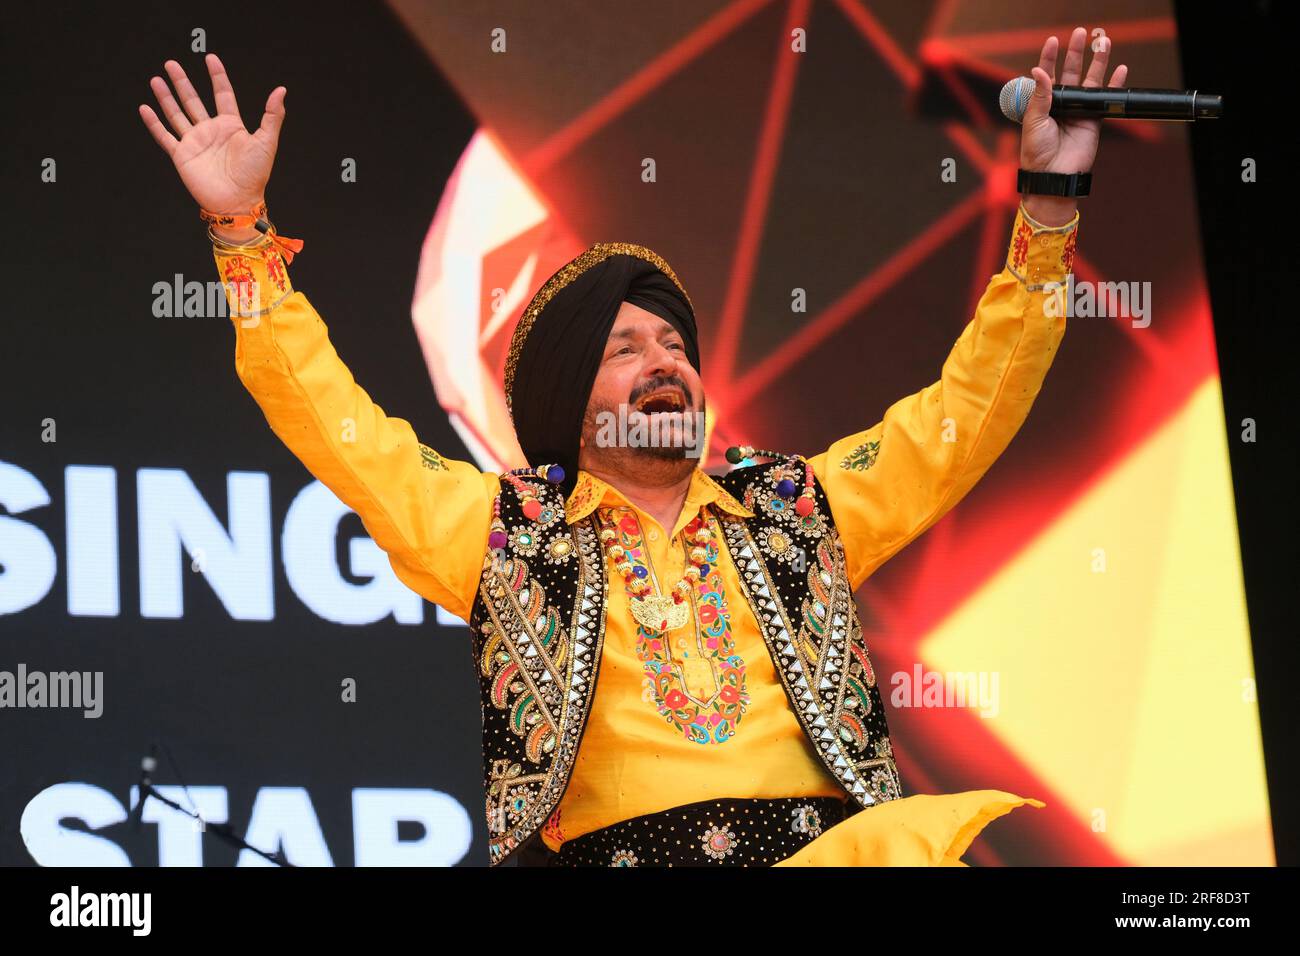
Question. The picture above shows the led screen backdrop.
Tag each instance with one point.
(1074, 630)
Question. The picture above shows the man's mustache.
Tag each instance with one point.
(668, 381)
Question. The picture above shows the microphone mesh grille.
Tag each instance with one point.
(1014, 98)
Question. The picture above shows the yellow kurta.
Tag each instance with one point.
(632, 761)
(885, 485)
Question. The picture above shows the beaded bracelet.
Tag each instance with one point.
(225, 245)
(259, 220)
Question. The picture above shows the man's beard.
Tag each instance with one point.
(674, 438)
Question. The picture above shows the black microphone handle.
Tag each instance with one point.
(1100, 102)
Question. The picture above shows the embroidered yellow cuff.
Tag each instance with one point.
(255, 278)
(1041, 254)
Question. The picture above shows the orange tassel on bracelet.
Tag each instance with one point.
(259, 220)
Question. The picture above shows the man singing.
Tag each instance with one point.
(671, 664)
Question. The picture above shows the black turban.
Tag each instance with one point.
(560, 340)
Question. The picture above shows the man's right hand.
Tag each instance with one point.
(224, 167)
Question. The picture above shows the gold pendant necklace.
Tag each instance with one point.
(655, 612)
(670, 659)
(699, 691)
(698, 678)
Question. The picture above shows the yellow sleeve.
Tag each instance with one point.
(888, 484)
(431, 515)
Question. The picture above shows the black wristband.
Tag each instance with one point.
(1053, 184)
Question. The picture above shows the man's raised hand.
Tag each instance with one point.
(1048, 144)
(1065, 145)
(224, 167)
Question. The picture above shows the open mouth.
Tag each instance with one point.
(662, 400)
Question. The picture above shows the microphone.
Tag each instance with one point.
(1100, 102)
(148, 765)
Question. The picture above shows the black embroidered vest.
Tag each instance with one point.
(538, 625)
